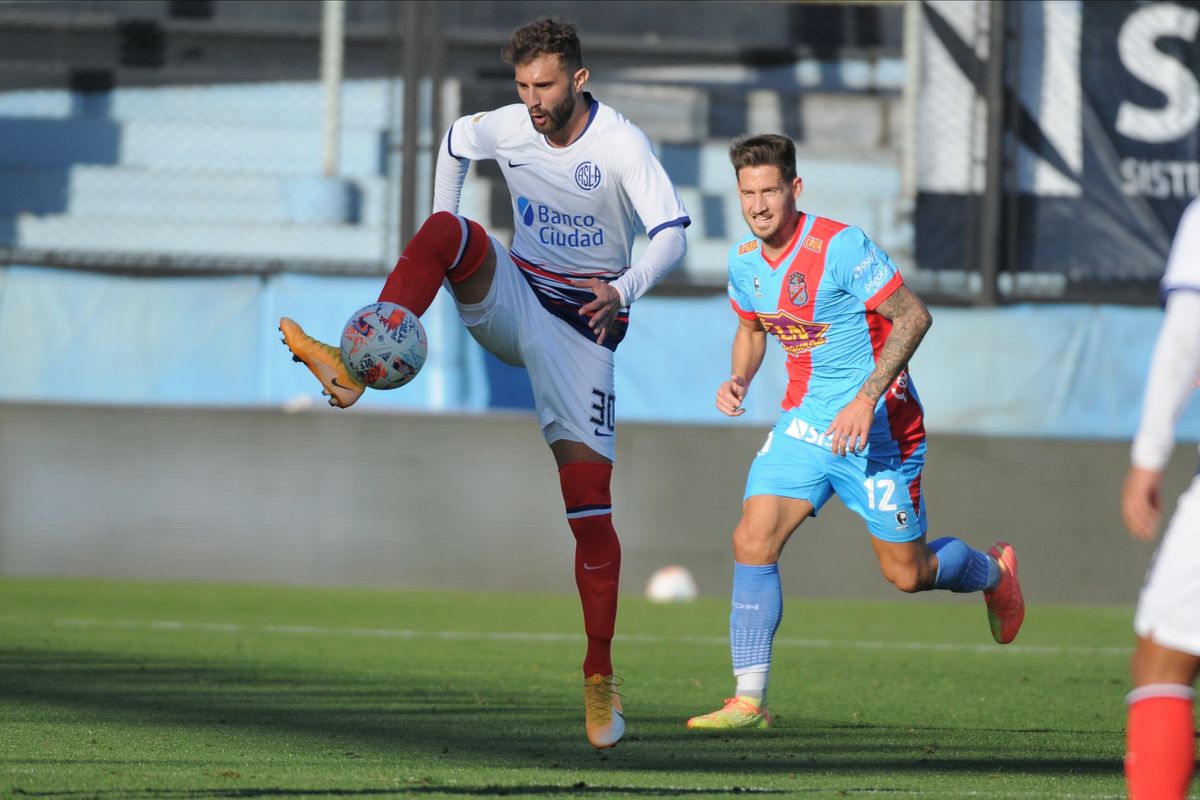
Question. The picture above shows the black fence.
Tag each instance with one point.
(195, 136)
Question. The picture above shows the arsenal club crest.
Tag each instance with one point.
(797, 289)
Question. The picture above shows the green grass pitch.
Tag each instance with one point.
(148, 690)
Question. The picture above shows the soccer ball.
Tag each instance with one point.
(673, 584)
(384, 345)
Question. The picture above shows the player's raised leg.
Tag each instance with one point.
(898, 530)
(951, 564)
(756, 608)
(447, 247)
(585, 479)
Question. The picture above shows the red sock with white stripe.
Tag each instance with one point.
(585, 488)
(1160, 753)
(446, 246)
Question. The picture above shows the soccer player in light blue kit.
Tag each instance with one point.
(852, 423)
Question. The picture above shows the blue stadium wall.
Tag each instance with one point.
(1059, 371)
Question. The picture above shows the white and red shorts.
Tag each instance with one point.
(1168, 608)
(571, 375)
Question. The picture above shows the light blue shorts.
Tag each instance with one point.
(797, 462)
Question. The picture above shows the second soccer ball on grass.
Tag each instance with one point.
(673, 584)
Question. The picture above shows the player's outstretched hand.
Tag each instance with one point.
(601, 312)
(1141, 502)
(730, 395)
(850, 428)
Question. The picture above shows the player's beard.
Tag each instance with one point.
(556, 117)
(779, 229)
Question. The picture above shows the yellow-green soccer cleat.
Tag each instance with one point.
(1005, 603)
(602, 706)
(739, 714)
(325, 362)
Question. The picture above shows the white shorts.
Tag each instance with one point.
(571, 376)
(1168, 608)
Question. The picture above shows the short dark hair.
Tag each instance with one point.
(545, 36)
(765, 150)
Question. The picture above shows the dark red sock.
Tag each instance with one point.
(585, 488)
(446, 246)
(1160, 753)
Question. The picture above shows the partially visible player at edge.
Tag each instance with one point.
(852, 423)
(1160, 737)
(558, 303)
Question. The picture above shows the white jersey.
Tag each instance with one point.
(1183, 265)
(1169, 604)
(1175, 367)
(575, 208)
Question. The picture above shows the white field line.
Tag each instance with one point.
(532, 637)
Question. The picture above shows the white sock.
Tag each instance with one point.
(752, 682)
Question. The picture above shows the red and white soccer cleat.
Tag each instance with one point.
(1005, 603)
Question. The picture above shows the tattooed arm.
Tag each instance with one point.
(910, 319)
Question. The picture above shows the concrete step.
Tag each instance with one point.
(198, 240)
(253, 149)
(101, 191)
(364, 103)
(200, 196)
(183, 146)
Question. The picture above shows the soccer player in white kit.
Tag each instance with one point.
(581, 176)
(1160, 737)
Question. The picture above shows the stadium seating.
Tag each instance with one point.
(193, 175)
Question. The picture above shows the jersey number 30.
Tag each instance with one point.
(603, 411)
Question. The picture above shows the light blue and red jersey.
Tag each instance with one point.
(819, 299)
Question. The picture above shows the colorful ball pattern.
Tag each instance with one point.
(384, 345)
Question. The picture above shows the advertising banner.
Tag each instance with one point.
(1102, 134)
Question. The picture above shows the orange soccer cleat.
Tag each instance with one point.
(325, 362)
(602, 706)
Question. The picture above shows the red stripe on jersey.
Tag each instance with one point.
(905, 417)
(799, 373)
(543, 272)
(885, 291)
(880, 327)
(811, 264)
(914, 493)
(738, 310)
(774, 263)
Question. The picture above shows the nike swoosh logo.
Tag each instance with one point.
(599, 432)
(589, 567)
(334, 381)
(512, 163)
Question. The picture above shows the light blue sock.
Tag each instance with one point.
(757, 607)
(962, 569)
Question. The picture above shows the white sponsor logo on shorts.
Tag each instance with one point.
(799, 429)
